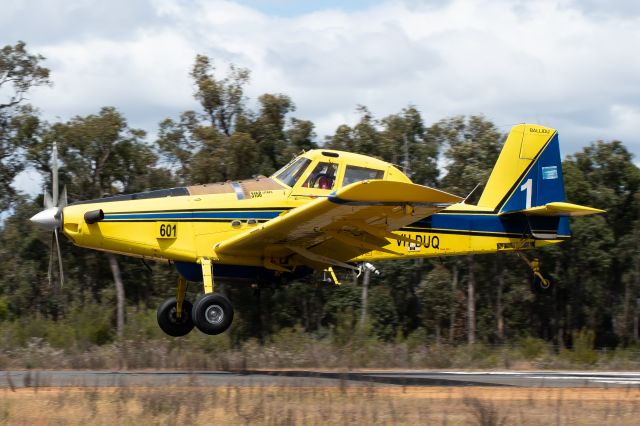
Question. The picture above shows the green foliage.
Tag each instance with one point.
(227, 141)
(222, 100)
(436, 299)
(20, 71)
(83, 327)
(400, 139)
(383, 312)
(532, 347)
(4, 308)
(583, 352)
(416, 338)
(477, 354)
(473, 148)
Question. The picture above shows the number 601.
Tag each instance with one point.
(167, 230)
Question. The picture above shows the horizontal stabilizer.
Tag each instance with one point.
(558, 209)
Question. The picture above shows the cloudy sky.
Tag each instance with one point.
(569, 64)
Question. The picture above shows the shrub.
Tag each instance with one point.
(531, 347)
(582, 352)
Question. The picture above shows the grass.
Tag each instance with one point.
(294, 405)
(200, 352)
(48, 344)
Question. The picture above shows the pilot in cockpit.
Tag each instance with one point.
(322, 177)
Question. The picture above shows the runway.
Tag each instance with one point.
(316, 378)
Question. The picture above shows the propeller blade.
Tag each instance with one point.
(55, 232)
(63, 198)
(50, 270)
(48, 202)
(54, 171)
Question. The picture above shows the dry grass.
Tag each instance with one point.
(272, 405)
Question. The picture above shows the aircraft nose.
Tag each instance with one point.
(48, 219)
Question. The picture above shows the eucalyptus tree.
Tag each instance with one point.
(226, 140)
(101, 156)
(437, 300)
(403, 140)
(20, 72)
(473, 145)
(601, 260)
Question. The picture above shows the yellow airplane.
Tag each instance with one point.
(324, 209)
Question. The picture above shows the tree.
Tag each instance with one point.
(268, 130)
(473, 148)
(101, 156)
(341, 140)
(408, 143)
(436, 300)
(403, 140)
(603, 250)
(20, 71)
(222, 100)
(227, 141)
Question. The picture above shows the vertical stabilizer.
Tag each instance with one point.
(528, 172)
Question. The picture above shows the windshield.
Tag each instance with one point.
(290, 174)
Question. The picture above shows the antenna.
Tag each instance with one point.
(471, 193)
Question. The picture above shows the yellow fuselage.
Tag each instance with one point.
(186, 228)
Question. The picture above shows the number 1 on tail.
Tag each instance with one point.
(527, 187)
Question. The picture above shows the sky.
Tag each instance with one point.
(569, 64)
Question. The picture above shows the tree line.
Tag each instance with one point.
(478, 298)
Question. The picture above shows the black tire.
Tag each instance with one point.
(212, 313)
(170, 323)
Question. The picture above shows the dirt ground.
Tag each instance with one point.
(375, 405)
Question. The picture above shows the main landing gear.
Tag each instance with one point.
(212, 313)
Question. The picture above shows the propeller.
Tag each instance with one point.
(51, 217)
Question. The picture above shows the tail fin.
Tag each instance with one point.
(528, 172)
(527, 179)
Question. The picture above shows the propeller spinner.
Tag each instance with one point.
(51, 217)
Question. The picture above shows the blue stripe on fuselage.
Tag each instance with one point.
(515, 225)
(510, 225)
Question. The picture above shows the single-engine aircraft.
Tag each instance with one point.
(324, 209)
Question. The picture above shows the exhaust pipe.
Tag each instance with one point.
(93, 216)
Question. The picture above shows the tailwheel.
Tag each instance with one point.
(212, 313)
(169, 321)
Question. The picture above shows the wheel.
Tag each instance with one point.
(170, 323)
(212, 313)
(540, 280)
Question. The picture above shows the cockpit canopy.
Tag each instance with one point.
(330, 170)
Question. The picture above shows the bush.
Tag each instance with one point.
(4, 309)
(531, 347)
(582, 352)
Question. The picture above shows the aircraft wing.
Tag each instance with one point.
(354, 220)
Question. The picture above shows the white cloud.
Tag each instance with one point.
(563, 63)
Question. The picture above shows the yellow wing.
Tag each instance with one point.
(357, 219)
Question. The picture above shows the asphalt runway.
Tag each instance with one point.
(309, 378)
